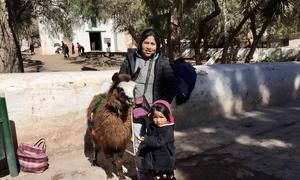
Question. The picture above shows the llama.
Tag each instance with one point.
(111, 131)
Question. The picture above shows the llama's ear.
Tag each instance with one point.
(136, 74)
(115, 77)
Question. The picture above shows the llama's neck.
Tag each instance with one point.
(120, 109)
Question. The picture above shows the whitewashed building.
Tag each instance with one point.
(85, 34)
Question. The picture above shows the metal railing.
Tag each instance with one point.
(6, 140)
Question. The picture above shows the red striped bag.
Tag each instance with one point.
(33, 158)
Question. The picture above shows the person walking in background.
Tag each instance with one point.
(73, 49)
(79, 48)
(93, 45)
(62, 45)
(157, 147)
(108, 46)
(82, 50)
(31, 47)
(155, 81)
(66, 51)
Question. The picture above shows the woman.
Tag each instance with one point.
(155, 81)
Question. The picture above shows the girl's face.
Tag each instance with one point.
(159, 118)
(149, 46)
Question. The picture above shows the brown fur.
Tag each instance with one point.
(93, 102)
(112, 127)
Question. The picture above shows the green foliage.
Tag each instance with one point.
(268, 59)
(191, 17)
(23, 18)
(55, 14)
(175, 19)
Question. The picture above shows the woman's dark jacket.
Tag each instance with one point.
(158, 150)
(164, 78)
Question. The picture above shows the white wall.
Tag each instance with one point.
(51, 105)
(53, 102)
(81, 35)
(295, 43)
(48, 39)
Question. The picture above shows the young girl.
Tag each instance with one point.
(157, 146)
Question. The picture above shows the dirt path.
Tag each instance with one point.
(261, 145)
(54, 63)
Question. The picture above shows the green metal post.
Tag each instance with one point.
(8, 141)
(2, 152)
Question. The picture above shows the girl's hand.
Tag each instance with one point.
(141, 138)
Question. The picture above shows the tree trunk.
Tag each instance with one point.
(225, 18)
(202, 31)
(132, 32)
(169, 38)
(232, 35)
(197, 54)
(256, 40)
(10, 53)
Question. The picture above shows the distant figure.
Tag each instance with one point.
(93, 44)
(66, 51)
(73, 49)
(82, 50)
(108, 46)
(58, 50)
(62, 44)
(79, 48)
(31, 49)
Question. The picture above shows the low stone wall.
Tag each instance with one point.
(54, 104)
(275, 54)
(231, 89)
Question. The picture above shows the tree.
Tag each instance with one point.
(272, 10)
(203, 30)
(164, 17)
(10, 54)
(127, 15)
(248, 10)
(56, 14)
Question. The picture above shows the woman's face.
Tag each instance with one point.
(149, 46)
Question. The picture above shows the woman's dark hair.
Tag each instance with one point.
(161, 108)
(150, 32)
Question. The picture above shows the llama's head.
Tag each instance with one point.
(123, 87)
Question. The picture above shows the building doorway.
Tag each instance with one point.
(95, 41)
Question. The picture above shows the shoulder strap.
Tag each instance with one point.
(148, 75)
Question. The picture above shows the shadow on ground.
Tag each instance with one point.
(33, 65)
(217, 167)
(129, 163)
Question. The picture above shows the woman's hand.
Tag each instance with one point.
(141, 138)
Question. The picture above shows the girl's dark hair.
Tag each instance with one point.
(150, 32)
(161, 108)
